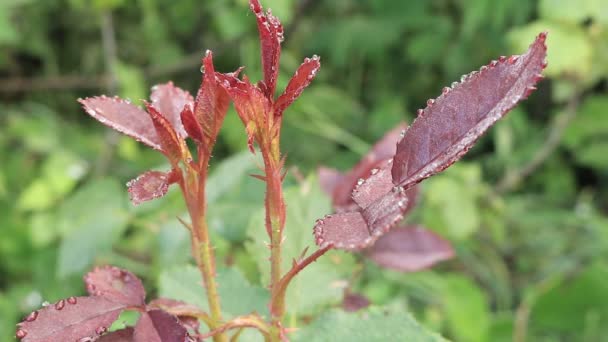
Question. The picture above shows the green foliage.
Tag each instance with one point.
(539, 246)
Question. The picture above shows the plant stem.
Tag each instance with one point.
(202, 251)
(275, 222)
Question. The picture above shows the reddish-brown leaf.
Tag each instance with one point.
(170, 100)
(410, 249)
(329, 179)
(171, 144)
(212, 102)
(150, 185)
(191, 125)
(383, 150)
(449, 126)
(124, 117)
(159, 326)
(354, 302)
(186, 313)
(271, 36)
(122, 335)
(115, 284)
(70, 320)
(300, 80)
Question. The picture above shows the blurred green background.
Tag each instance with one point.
(527, 209)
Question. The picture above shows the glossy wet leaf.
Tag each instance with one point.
(170, 100)
(271, 36)
(300, 80)
(171, 144)
(115, 284)
(148, 186)
(409, 249)
(124, 117)
(449, 126)
(70, 319)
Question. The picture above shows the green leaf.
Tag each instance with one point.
(466, 308)
(321, 282)
(371, 325)
(90, 221)
(586, 136)
(451, 201)
(227, 174)
(238, 297)
(574, 11)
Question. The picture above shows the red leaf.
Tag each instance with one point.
(212, 101)
(186, 313)
(384, 149)
(354, 302)
(122, 335)
(159, 326)
(172, 145)
(410, 249)
(271, 36)
(70, 320)
(150, 185)
(300, 80)
(124, 117)
(170, 101)
(191, 125)
(115, 284)
(449, 126)
(329, 179)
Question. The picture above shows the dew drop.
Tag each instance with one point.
(454, 84)
(430, 102)
(360, 181)
(202, 69)
(315, 58)
(483, 68)
(45, 303)
(72, 300)
(513, 59)
(374, 171)
(494, 63)
(502, 58)
(60, 305)
(402, 134)
(32, 316)
(445, 90)
(463, 78)
(100, 330)
(21, 333)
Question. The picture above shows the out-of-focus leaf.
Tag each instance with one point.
(184, 283)
(466, 308)
(373, 325)
(586, 294)
(449, 126)
(159, 326)
(122, 335)
(570, 49)
(320, 283)
(586, 136)
(227, 174)
(115, 284)
(410, 249)
(132, 81)
(573, 11)
(90, 221)
(70, 320)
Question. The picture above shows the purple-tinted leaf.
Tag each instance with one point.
(159, 326)
(171, 144)
(449, 126)
(383, 150)
(170, 100)
(212, 102)
(410, 249)
(329, 179)
(115, 284)
(124, 117)
(70, 320)
(186, 313)
(151, 185)
(271, 36)
(354, 302)
(122, 335)
(300, 80)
